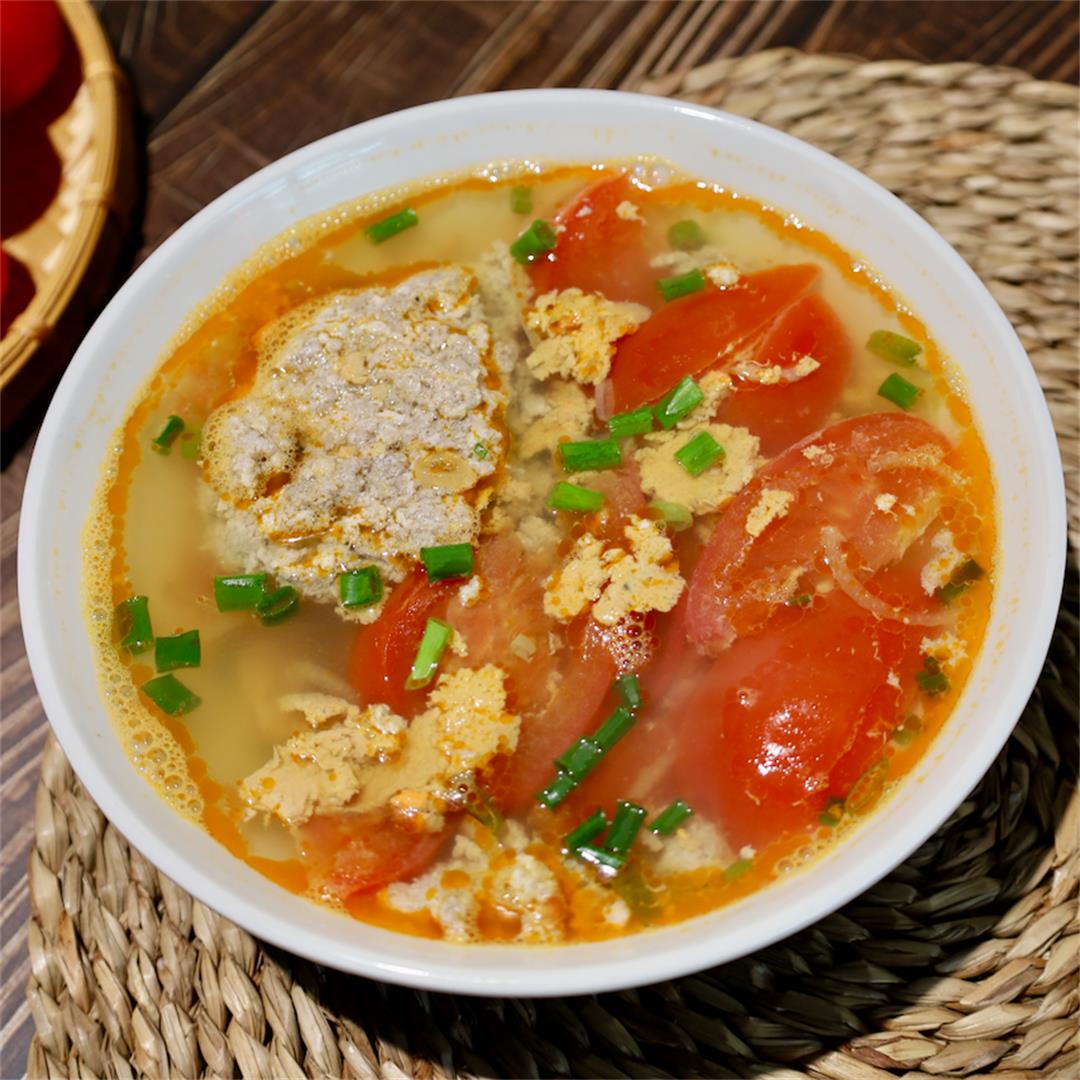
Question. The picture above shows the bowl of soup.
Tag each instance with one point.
(541, 543)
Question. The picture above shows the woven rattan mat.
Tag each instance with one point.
(963, 961)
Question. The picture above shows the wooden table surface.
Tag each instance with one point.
(221, 89)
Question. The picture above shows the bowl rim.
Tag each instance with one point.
(506, 973)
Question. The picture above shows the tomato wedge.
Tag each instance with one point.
(699, 331)
(832, 482)
(784, 412)
(598, 251)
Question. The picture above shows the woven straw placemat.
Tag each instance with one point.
(963, 961)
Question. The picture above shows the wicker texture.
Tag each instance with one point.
(964, 961)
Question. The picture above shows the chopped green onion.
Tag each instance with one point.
(583, 500)
(833, 813)
(906, 733)
(190, 445)
(932, 680)
(802, 600)
(607, 862)
(581, 758)
(640, 897)
(624, 827)
(674, 515)
(588, 830)
(170, 695)
(447, 561)
(893, 347)
(628, 687)
(535, 240)
(239, 592)
(614, 728)
(866, 791)
(134, 617)
(590, 454)
(480, 808)
(168, 435)
(635, 422)
(181, 650)
(521, 201)
(391, 226)
(480, 451)
(686, 235)
(670, 818)
(737, 869)
(277, 606)
(671, 288)
(677, 404)
(962, 577)
(899, 391)
(433, 644)
(361, 588)
(556, 791)
(699, 453)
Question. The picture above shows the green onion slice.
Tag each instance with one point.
(674, 515)
(962, 577)
(833, 813)
(590, 454)
(556, 791)
(170, 695)
(480, 451)
(932, 680)
(437, 635)
(893, 347)
(447, 561)
(737, 869)
(391, 226)
(908, 731)
(133, 615)
(608, 863)
(521, 200)
(635, 422)
(168, 435)
(277, 606)
(899, 391)
(628, 687)
(614, 727)
(588, 830)
(361, 588)
(624, 827)
(671, 288)
(801, 600)
(576, 499)
(686, 235)
(190, 444)
(535, 240)
(180, 650)
(677, 404)
(866, 791)
(581, 758)
(699, 453)
(670, 818)
(239, 592)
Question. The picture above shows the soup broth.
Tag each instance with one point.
(570, 552)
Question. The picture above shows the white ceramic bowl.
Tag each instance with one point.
(560, 125)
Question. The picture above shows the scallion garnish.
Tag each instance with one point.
(686, 235)
(962, 577)
(678, 403)
(521, 200)
(833, 813)
(737, 869)
(899, 391)
(671, 288)
(893, 347)
(635, 422)
(624, 827)
(670, 818)
(239, 592)
(607, 862)
(480, 451)
(180, 650)
(361, 588)
(932, 680)
(168, 435)
(277, 606)
(190, 445)
(801, 600)
(170, 695)
(699, 453)
(535, 240)
(580, 500)
(674, 515)
(588, 830)
(581, 758)
(905, 734)
(590, 454)
(391, 226)
(433, 644)
(133, 615)
(556, 791)
(614, 728)
(628, 687)
(447, 561)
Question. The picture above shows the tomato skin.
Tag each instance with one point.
(785, 412)
(31, 42)
(598, 251)
(701, 330)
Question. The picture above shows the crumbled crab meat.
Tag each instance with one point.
(946, 648)
(628, 211)
(694, 845)
(722, 274)
(945, 560)
(545, 418)
(772, 504)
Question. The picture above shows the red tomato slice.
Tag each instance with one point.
(785, 412)
(598, 251)
(741, 579)
(689, 335)
(354, 853)
(31, 41)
